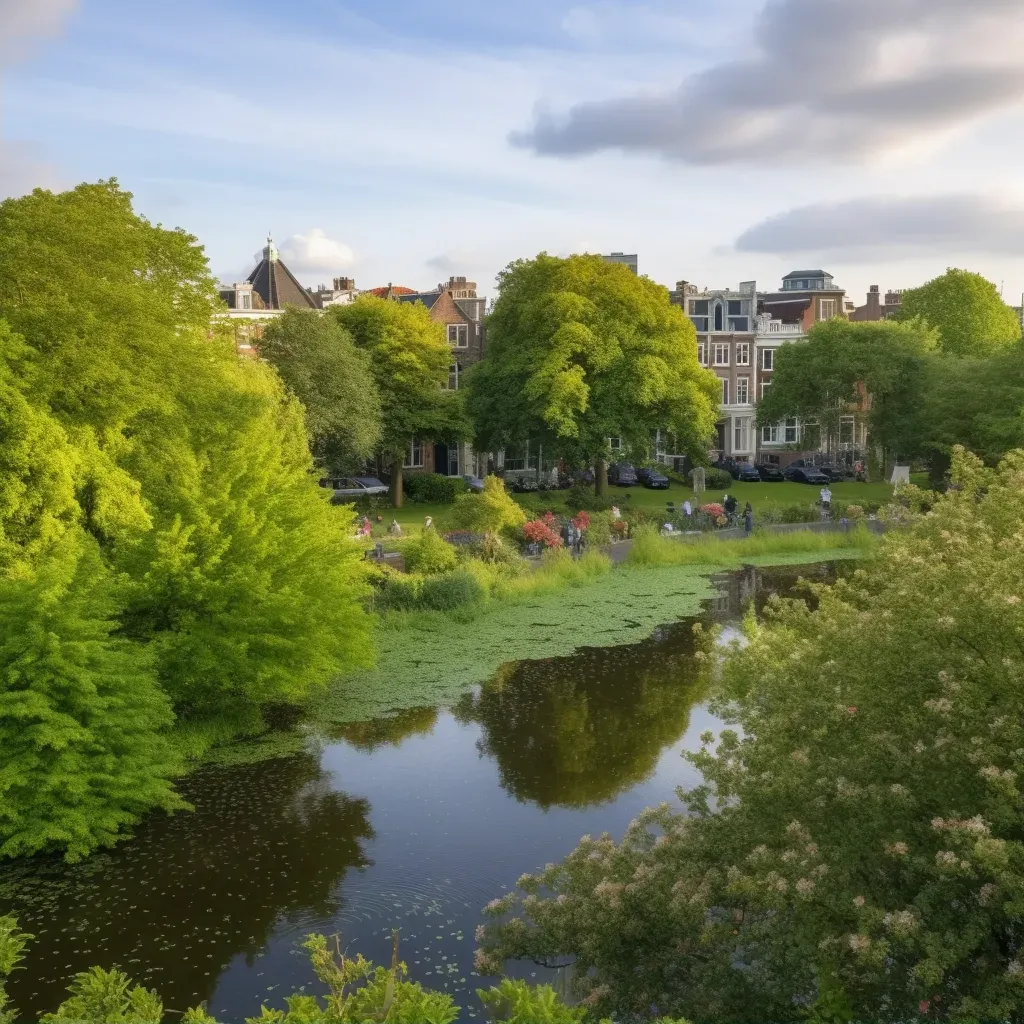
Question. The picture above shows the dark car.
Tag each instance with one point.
(728, 465)
(652, 478)
(747, 473)
(770, 474)
(806, 475)
(622, 475)
(835, 473)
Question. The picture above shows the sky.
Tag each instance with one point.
(408, 140)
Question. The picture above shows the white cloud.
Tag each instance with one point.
(834, 79)
(899, 227)
(315, 251)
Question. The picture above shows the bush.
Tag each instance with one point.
(580, 499)
(433, 489)
(453, 590)
(714, 479)
(599, 532)
(490, 512)
(796, 512)
(396, 591)
(429, 554)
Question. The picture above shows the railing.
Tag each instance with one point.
(777, 327)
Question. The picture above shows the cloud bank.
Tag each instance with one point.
(315, 252)
(832, 79)
(891, 227)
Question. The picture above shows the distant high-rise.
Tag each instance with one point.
(626, 259)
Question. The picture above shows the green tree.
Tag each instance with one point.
(489, 512)
(411, 359)
(967, 311)
(580, 351)
(12, 947)
(321, 366)
(857, 844)
(83, 725)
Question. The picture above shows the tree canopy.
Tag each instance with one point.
(856, 847)
(319, 363)
(966, 310)
(165, 552)
(578, 351)
(411, 359)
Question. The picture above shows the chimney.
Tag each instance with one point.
(874, 310)
(344, 284)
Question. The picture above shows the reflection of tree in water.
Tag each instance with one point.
(578, 731)
(755, 585)
(173, 906)
(388, 731)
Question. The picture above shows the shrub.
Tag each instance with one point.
(599, 532)
(581, 499)
(433, 489)
(714, 478)
(796, 512)
(490, 512)
(543, 531)
(453, 590)
(429, 554)
(396, 591)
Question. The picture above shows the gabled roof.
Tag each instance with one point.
(276, 284)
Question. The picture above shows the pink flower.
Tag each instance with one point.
(923, 1005)
(851, 710)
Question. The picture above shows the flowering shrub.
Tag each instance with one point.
(712, 509)
(620, 527)
(539, 531)
(856, 847)
(581, 520)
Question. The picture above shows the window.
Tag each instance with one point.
(735, 307)
(615, 444)
(827, 309)
(846, 427)
(246, 300)
(742, 354)
(718, 316)
(725, 391)
(740, 433)
(768, 359)
(414, 456)
(702, 353)
(699, 307)
(458, 335)
(792, 431)
(700, 322)
(721, 355)
(739, 323)
(765, 385)
(453, 377)
(742, 390)
(770, 435)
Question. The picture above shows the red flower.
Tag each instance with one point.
(539, 532)
(581, 520)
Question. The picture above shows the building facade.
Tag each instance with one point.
(626, 259)
(874, 309)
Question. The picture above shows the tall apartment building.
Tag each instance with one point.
(626, 259)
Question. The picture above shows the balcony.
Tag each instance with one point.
(777, 329)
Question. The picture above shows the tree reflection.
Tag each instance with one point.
(391, 730)
(174, 906)
(578, 731)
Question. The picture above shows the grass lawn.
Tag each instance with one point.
(411, 517)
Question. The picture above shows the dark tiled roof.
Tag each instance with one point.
(278, 286)
(427, 298)
(806, 273)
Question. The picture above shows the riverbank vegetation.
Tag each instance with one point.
(855, 849)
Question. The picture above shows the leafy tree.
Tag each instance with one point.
(580, 351)
(429, 554)
(967, 311)
(489, 512)
(411, 359)
(856, 849)
(83, 726)
(839, 365)
(321, 366)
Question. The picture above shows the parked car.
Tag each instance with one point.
(770, 474)
(652, 478)
(835, 473)
(622, 475)
(474, 483)
(354, 486)
(748, 474)
(728, 465)
(806, 475)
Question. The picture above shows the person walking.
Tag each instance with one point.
(826, 502)
(748, 519)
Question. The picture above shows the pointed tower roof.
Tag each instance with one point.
(276, 284)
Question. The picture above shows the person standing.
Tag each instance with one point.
(729, 505)
(826, 501)
(748, 519)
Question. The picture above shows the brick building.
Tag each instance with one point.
(874, 308)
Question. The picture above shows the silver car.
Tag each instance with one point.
(355, 486)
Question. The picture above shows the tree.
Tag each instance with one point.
(857, 844)
(580, 351)
(967, 311)
(489, 512)
(321, 366)
(840, 366)
(411, 359)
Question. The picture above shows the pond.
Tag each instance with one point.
(411, 822)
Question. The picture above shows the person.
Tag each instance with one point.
(567, 534)
(395, 529)
(577, 541)
(687, 509)
(748, 518)
(428, 523)
(367, 527)
(729, 504)
(826, 500)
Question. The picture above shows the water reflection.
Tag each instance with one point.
(578, 731)
(267, 843)
(388, 731)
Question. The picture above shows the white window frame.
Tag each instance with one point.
(721, 353)
(458, 335)
(741, 434)
(743, 353)
(770, 434)
(453, 376)
(414, 456)
(767, 359)
(765, 385)
(826, 309)
(702, 353)
(615, 445)
(743, 391)
(725, 390)
(792, 430)
(851, 422)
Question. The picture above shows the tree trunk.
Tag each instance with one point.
(396, 494)
(600, 478)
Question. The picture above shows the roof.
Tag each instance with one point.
(390, 291)
(277, 285)
(806, 273)
(427, 298)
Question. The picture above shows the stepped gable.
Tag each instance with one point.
(276, 284)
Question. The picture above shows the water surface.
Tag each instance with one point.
(413, 821)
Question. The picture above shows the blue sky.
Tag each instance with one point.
(722, 140)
